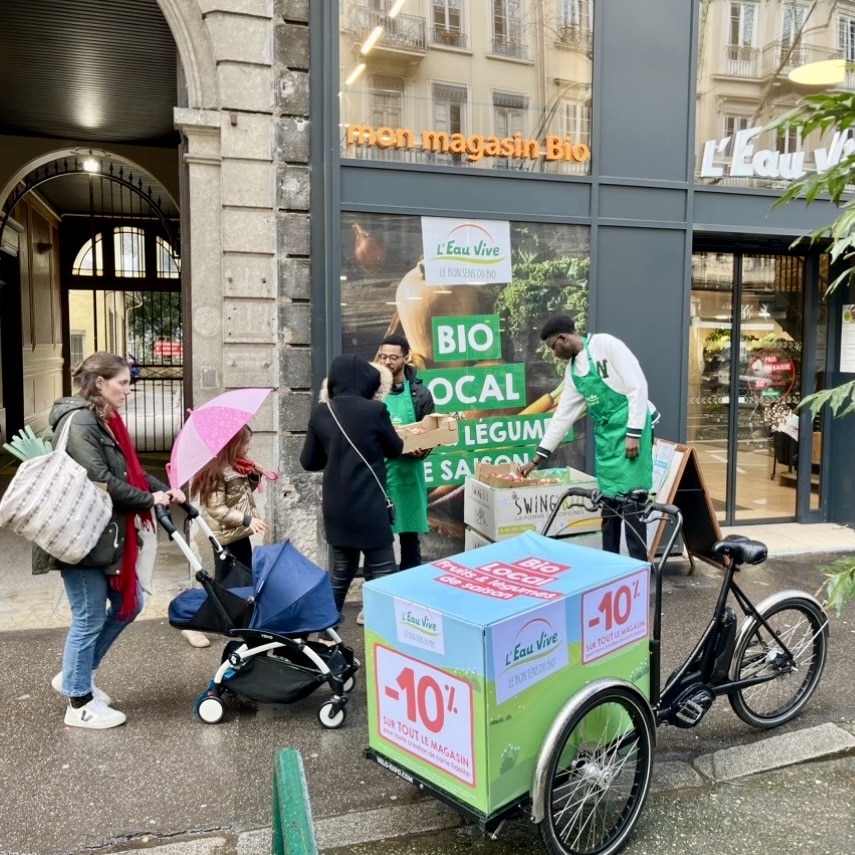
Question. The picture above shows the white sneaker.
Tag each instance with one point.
(97, 694)
(95, 715)
(360, 618)
(197, 639)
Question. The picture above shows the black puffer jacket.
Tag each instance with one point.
(354, 509)
(95, 449)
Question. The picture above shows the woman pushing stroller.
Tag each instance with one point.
(99, 441)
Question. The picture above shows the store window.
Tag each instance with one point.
(418, 83)
(753, 60)
(475, 337)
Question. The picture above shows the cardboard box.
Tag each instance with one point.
(473, 539)
(435, 429)
(499, 513)
(468, 660)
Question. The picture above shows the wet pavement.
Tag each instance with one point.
(168, 784)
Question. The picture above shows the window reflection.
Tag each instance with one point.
(419, 83)
(747, 54)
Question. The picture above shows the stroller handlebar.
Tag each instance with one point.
(163, 517)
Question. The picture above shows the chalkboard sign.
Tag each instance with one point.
(677, 480)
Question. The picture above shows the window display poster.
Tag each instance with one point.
(475, 342)
(847, 339)
(466, 252)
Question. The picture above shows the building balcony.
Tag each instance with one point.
(404, 36)
(449, 36)
(741, 61)
(578, 38)
(510, 48)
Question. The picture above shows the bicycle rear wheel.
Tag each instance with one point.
(598, 774)
(801, 626)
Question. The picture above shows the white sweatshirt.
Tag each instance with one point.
(622, 373)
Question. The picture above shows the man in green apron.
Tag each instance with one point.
(604, 377)
(409, 401)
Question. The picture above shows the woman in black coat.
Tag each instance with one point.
(354, 506)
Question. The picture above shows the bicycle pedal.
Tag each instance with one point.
(693, 706)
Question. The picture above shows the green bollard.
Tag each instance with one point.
(293, 831)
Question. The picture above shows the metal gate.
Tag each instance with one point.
(145, 327)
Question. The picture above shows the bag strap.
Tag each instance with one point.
(370, 467)
(62, 442)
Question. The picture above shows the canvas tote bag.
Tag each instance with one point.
(52, 503)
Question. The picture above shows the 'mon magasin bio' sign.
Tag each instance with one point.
(474, 147)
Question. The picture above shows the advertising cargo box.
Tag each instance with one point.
(469, 659)
(433, 430)
(473, 539)
(516, 507)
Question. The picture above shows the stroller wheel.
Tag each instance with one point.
(331, 717)
(349, 683)
(210, 709)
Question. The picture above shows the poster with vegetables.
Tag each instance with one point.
(474, 336)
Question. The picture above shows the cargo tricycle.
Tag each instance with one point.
(591, 762)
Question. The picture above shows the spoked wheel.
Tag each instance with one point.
(598, 774)
(801, 628)
(330, 717)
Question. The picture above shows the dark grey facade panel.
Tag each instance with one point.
(642, 204)
(643, 88)
(452, 193)
(753, 213)
(639, 296)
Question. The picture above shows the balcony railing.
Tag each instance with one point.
(510, 48)
(741, 61)
(402, 33)
(577, 37)
(780, 58)
(450, 37)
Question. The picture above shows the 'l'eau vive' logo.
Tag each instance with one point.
(535, 640)
(471, 243)
(419, 626)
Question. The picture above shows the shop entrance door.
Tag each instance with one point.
(745, 346)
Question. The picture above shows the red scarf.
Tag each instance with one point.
(126, 581)
(245, 466)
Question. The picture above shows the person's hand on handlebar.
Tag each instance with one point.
(176, 496)
(161, 498)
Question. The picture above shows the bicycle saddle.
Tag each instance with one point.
(740, 549)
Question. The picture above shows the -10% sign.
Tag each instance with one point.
(614, 615)
(425, 711)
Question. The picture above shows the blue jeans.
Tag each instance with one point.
(94, 626)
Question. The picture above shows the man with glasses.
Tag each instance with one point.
(604, 377)
(409, 401)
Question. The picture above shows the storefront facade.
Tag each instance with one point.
(552, 127)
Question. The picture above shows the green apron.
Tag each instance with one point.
(405, 476)
(616, 473)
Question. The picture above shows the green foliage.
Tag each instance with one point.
(543, 284)
(824, 112)
(156, 316)
(839, 585)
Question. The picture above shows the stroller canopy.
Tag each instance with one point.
(292, 594)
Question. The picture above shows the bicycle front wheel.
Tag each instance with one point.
(599, 773)
(792, 657)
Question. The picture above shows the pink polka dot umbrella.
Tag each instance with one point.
(208, 429)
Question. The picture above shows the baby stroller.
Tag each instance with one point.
(268, 613)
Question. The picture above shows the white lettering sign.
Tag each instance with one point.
(744, 162)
